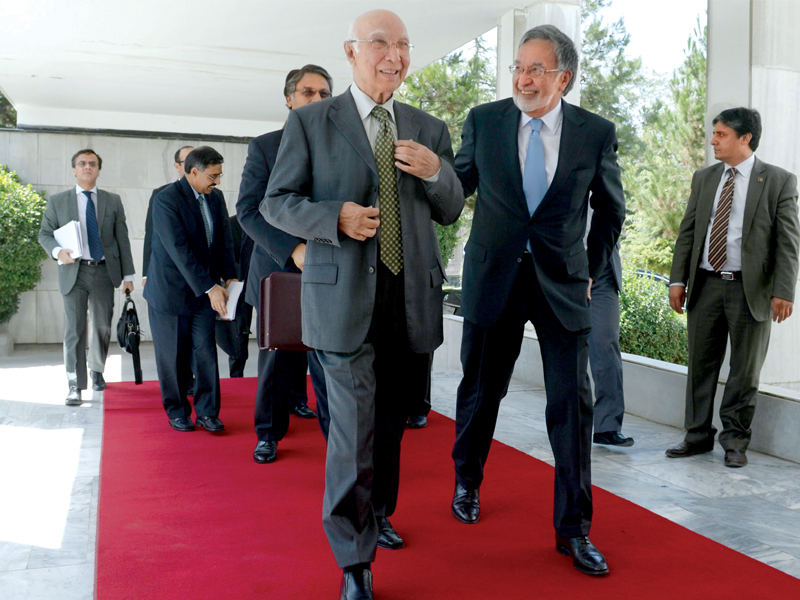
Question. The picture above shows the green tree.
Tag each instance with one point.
(21, 256)
(448, 89)
(659, 182)
(8, 116)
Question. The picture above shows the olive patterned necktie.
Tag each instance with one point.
(391, 232)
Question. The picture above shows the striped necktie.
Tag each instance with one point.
(718, 241)
(201, 199)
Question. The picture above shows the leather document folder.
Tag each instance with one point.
(280, 322)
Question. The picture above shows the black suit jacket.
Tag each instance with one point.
(148, 229)
(184, 267)
(273, 246)
(501, 228)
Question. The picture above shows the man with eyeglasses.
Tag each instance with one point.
(362, 177)
(536, 162)
(87, 282)
(192, 264)
(281, 385)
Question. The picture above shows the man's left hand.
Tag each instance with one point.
(228, 282)
(127, 286)
(419, 160)
(589, 289)
(781, 309)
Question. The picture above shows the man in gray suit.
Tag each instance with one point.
(735, 267)
(88, 281)
(361, 177)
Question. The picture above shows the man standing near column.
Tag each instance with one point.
(372, 303)
(89, 281)
(281, 373)
(535, 160)
(735, 267)
(192, 264)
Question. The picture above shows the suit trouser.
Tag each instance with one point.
(719, 312)
(94, 291)
(244, 316)
(177, 340)
(420, 407)
(488, 355)
(604, 354)
(368, 400)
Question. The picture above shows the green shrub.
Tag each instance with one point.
(648, 326)
(21, 256)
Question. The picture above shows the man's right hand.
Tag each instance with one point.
(358, 222)
(299, 256)
(219, 300)
(65, 256)
(677, 296)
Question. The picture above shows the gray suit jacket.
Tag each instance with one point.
(770, 235)
(63, 208)
(325, 159)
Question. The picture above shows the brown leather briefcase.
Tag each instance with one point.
(279, 318)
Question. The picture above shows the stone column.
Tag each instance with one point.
(754, 61)
(564, 14)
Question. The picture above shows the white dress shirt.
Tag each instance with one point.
(734, 246)
(551, 140)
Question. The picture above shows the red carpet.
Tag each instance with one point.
(191, 516)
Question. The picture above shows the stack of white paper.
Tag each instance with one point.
(234, 291)
(69, 237)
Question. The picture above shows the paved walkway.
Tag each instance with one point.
(49, 476)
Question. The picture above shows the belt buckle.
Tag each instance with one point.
(727, 275)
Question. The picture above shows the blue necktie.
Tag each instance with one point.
(534, 178)
(201, 199)
(92, 230)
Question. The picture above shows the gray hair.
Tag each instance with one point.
(352, 35)
(296, 75)
(566, 53)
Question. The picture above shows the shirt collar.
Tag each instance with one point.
(79, 190)
(744, 168)
(365, 104)
(551, 120)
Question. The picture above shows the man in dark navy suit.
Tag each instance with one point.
(535, 161)
(192, 264)
(281, 373)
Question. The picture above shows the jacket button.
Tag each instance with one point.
(371, 270)
(519, 260)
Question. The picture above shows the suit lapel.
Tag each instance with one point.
(508, 125)
(193, 207)
(705, 207)
(100, 209)
(754, 190)
(573, 136)
(72, 207)
(346, 118)
(407, 129)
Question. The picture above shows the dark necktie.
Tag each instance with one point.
(201, 199)
(92, 230)
(391, 232)
(718, 242)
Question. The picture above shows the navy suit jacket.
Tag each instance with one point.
(501, 228)
(183, 266)
(273, 246)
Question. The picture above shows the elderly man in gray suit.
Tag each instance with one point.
(363, 177)
(88, 281)
(735, 266)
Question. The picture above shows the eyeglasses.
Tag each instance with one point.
(83, 163)
(215, 178)
(533, 72)
(311, 92)
(403, 48)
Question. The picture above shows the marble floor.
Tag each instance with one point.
(51, 466)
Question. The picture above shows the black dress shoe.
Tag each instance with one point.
(265, 452)
(356, 585)
(98, 383)
(181, 424)
(466, 504)
(74, 396)
(585, 557)
(302, 411)
(735, 458)
(612, 438)
(685, 449)
(387, 536)
(417, 422)
(212, 424)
